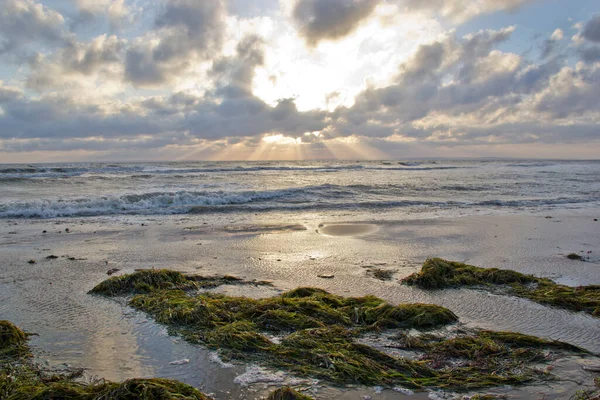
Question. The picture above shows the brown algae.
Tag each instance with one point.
(437, 273)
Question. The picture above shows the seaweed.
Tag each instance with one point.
(486, 355)
(147, 389)
(287, 393)
(316, 334)
(12, 341)
(574, 256)
(21, 379)
(146, 281)
(382, 274)
(437, 273)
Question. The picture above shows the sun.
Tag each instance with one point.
(279, 139)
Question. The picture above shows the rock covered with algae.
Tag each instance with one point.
(437, 273)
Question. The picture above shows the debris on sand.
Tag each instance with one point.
(326, 276)
(574, 256)
(382, 274)
(437, 273)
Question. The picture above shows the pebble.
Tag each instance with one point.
(180, 362)
(403, 391)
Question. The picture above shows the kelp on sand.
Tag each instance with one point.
(316, 335)
(437, 273)
(21, 379)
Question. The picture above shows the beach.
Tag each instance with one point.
(113, 341)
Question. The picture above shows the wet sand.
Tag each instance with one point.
(112, 341)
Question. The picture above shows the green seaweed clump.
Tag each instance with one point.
(317, 330)
(148, 280)
(20, 379)
(437, 273)
(313, 333)
(287, 393)
(146, 389)
(12, 341)
(498, 357)
(144, 281)
(382, 274)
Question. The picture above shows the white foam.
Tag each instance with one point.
(256, 374)
(214, 357)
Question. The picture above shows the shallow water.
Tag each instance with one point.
(50, 297)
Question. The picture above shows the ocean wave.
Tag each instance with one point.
(144, 171)
(179, 202)
(532, 164)
(318, 197)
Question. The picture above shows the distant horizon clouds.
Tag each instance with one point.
(131, 80)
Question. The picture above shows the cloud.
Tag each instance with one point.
(102, 57)
(190, 76)
(462, 89)
(572, 91)
(184, 31)
(460, 11)
(551, 43)
(318, 20)
(591, 30)
(25, 21)
(116, 11)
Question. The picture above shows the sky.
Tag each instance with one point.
(144, 80)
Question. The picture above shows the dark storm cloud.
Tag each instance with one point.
(318, 20)
(185, 30)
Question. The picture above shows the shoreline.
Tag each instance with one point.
(125, 343)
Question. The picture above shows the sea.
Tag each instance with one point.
(348, 188)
